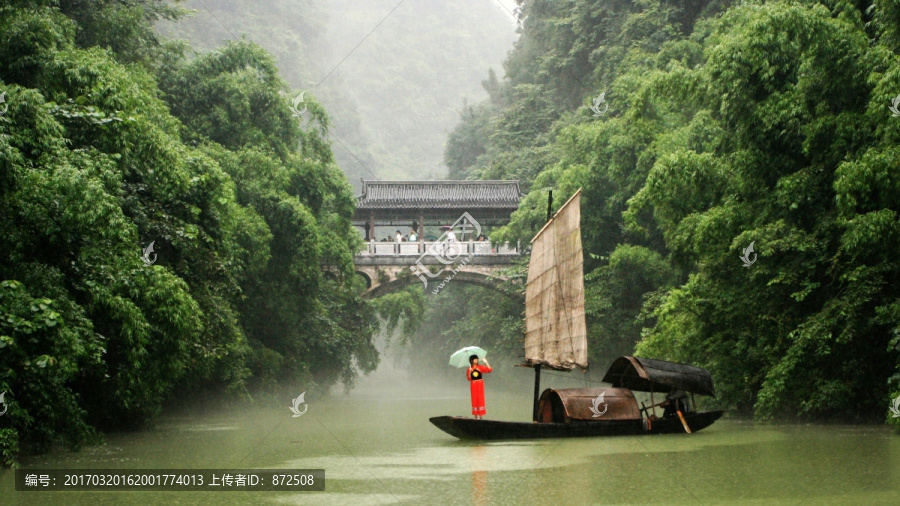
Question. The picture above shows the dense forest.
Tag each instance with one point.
(699, 128)
(168, 225)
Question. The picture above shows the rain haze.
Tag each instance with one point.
(449, 252)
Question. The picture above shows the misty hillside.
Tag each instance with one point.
(393, 92)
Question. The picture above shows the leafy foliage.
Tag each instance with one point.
(105, 151)
(762, 122)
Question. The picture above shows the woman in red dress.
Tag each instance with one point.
(475, 374)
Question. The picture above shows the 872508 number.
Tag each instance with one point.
(292, 480)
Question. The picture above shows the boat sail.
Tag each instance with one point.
(555, 329)
(556, 337)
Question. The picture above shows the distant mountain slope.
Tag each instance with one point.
(396, 81)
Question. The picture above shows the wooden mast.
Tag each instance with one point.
(537, 392)
(537, 367)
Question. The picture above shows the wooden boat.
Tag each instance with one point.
(556, 337)
(470, 428)
(567, 412)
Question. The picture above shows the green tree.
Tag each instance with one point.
(95, 168)
(764, 122)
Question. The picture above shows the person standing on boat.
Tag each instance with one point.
(475, 374)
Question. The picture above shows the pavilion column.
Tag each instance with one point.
(421, 233)
(372, 228)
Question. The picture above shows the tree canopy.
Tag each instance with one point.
(167, 224)
(728, 124)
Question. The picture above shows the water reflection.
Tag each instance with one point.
(479, 477)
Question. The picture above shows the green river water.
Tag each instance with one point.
(377, 447)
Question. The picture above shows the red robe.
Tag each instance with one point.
(475, 375)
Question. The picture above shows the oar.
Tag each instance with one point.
(649, 421)
(683, 422)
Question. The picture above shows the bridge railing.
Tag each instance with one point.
(478, 248)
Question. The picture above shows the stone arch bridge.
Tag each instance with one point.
(445, 226)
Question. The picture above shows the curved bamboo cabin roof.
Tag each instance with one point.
(645, 374)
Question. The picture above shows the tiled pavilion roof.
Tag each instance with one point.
(441, 194)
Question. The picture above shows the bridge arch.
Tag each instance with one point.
(439, 282)
(368, 280)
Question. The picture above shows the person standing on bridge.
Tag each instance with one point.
(449, 246)
(475, 374)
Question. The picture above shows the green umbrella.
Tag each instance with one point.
(461, 357)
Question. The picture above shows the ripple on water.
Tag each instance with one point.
(209, 428)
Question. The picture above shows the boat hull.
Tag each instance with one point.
(470, 428)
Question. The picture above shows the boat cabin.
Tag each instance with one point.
(626, 375)
(587, 404)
